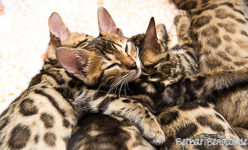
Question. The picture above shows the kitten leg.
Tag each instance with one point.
(123, 107)
(184, 62)
(140, 116)
(182, 24)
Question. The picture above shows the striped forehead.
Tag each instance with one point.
(112, 46)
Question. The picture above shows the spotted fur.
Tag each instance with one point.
(219, 31)
(113, 105)
(44, 115)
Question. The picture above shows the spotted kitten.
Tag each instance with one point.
(108, 104)
(219, 31)
(29, 123)
(43, 116)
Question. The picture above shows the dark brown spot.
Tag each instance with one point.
(205, 121)
(214, 42)
(72, 84)
(224, 56)
(243, 33)
(126, 101)
(169, 142)
(19, 137)
(169, 117)
(188, 106)
(241, 21)
(210, 31)
(227, 4)
(221, 13)
(186, 131)
(36, 139)
(239, 11)
(227, 38)
(240, 63)
(50, 139)
(66, 123)
(204, 2)
(43, 86)
(229, 50)
(207, 7)
(65, 92)
(191, 4)
(201, 21)
(212, 63)
(3, 123)
(203, 104)
(27, 107)
(230, 27)
(48, 120)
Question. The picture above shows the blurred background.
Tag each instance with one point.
(24, 33)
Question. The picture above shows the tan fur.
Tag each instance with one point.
(222, 49)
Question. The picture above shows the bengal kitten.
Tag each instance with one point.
(29, 122)
(219, 31)
(112, 104)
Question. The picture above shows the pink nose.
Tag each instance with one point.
(129, 63)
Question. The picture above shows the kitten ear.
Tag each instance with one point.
(106, 23)
(74, 61)
(57, 27)
(119, 31)
(150, 39)
(162, 32)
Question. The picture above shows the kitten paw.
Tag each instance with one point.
(153, 132)
(159, 138)
(182, 18)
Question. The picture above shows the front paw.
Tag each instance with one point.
(152, 132)
(183, 17)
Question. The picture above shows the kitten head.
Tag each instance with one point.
(154, 52)
(61, 36)
(107, 60)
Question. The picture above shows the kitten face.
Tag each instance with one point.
(153, 51)
(108, 60)
(119, 63)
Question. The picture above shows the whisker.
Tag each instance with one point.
(114, 84)
(125, 88)
(98, 88)
(121, 84)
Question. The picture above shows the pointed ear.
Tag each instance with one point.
(150, 39)
(162, 32)
(119, 31)
(74, 61)
(106, 23)
(57, 27)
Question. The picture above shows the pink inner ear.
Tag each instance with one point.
(105, 21)
(68, 59)
(57, 27)
(150, 39)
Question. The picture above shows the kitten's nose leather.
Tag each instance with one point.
(129, 63)
(134, 66)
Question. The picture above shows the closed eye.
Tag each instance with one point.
(80, 43)
(113, 65)
(126, 48)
